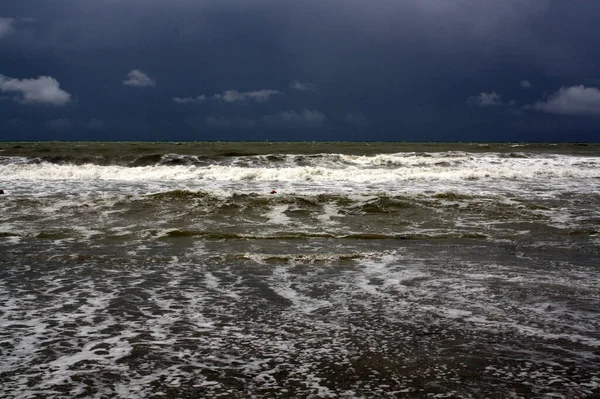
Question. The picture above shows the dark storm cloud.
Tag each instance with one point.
(302, 119)
(225, 123)
(64, 124)
(357, 119)
(59, 124)
(408, 65)
(296, 119)
(95, 124)
(459, 25)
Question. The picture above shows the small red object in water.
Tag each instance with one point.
(273, 192)
(2, 191)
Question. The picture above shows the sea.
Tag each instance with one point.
(299, 270)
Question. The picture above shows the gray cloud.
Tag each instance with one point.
(189, 100)
(16, 124)
(573, 100)
(6, 26)
(525, 84)
(95, 124)
(60, 124)
(221, 122)
(64, 124)
(138, 78)
(231, 96)
(304, 86)
(43, 90)
(357, 119)
(225, 123)
(304, 118)
(485, 100)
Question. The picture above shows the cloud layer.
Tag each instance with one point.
(42, 90)
(426, 69)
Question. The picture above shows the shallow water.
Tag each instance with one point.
(458, 271)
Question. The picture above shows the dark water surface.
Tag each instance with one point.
(418, 270)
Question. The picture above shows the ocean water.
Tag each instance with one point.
(377, 270)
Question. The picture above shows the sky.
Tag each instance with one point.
(392, 70)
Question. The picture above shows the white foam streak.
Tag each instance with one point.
(358, 169)
(282, 283)
(397, 174)
(277, 215)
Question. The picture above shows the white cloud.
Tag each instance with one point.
(188, 100)
(43, 90)
(358, 119)
(485, 100)
(296, 119)
(525, 84)
(60, 124)
(138, 78)
(7, 26)
(573, 100)
(231, 96)
(304, 86)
